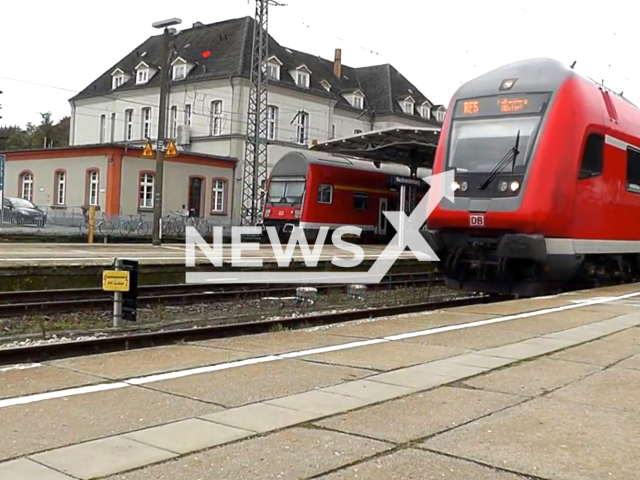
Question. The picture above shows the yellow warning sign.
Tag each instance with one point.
(115, 281)
(148, 151)
(172, 151)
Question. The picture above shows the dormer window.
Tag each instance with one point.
(425, 111)
(407, 105)
(180, 69)
(358, 102)
(118, 80)
(302, 76)
(326, 85)
(273, 68)
(143, 73)
(440, 115)
(118, 77)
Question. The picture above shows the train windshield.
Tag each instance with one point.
(478, 145)
(285, 192)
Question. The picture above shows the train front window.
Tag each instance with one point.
(287, 192)
(478, 145)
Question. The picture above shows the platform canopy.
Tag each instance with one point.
(413, 147)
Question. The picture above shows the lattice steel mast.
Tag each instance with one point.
(255, 158)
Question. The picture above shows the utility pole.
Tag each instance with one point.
(164, 86)
(255, 159)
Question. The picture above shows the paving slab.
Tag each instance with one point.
(528, 348)
(320, 402)
(616, 308)
(584, 333)
(372, 391)
(64, 421)
(386, 356)
(631, 335)
(255, 383)
(599, 352)
(414, 464)
(148, 361)
(557, 321)
(474, 338)
(260, 417)
(25, 469)
(384, 327)
(482, 361)
(449, 368)
(188, 435)
(616, 388)
(420, 415)
(102, 457)
(514, 307)
(532, 378)
(16, 383)
(550, 439)
(632, 363)
(276, 342)
(412, 377)
(296, 453)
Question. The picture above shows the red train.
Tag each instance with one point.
(313, 190)
(547, 182)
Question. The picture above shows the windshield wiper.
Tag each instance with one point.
(513, 151)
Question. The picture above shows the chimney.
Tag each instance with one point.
(337, 64)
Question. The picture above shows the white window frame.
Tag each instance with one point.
(426, 111)
(333, 131)
(320, 191)
(61, 190)
(117, 81)
(173, 122)
(215, 124)
(103, 128)
(146, 123)
(408, 107)
(112, 135)
(302, 127)
(27, 180)
(218, 193)
(358, 102)
(273, 71)
(146, 183)
(179, 72)
(272, 122)
(187, 114)
(440, 115)
(302, 79)
(94, 188)
(142, 76)
(128, 125)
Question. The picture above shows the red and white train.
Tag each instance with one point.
(564, 202)
(311, 190)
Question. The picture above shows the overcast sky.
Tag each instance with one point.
(436, 44)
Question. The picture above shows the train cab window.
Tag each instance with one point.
(592, 158)
(325, 193)
(361, 201)
(633, 170)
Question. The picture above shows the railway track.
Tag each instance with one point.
(118, 341)
(87, 299)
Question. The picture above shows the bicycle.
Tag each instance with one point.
(129, 226)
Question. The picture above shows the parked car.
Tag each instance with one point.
(18, 211)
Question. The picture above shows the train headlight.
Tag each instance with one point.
(464, 186)
(297, 213)
(515, 185)
(455, 186)
(267, 212)
(503, 186)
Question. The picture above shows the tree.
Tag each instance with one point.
(45, 135)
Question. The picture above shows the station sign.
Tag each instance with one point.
(395, 182)
(115, 281)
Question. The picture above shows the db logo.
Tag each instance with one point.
(476, 220)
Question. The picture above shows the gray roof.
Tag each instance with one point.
(230, 44)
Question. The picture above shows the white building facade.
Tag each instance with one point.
(309, 98)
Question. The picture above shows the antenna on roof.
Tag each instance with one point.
(573, 64)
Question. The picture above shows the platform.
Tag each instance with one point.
(541, 388)
(75, 265)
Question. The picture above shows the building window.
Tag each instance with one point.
(117, 81)
(408, 107)
(187, 114)
(333, 131)
(272, 121)
(60, 187)
(128, 125)
(173, 122)
(426, 112)
(179, 72)
(358, 102)
(113, 128)
(273, 71)
(145, 200)
(301, 127)
(103, 128)
(26, 186)
(216, 117)
(218, 195)
(361, 201)
(143, 76)
(633, 170)
(302, 79)
(146, 123)
(357, 132)
(592, 158)
(93, 187)
(325, 193)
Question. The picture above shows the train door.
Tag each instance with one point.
(382, 220)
